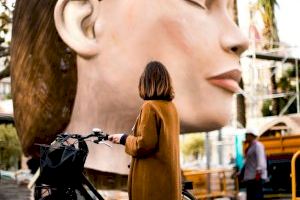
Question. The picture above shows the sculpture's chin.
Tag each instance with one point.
(205, 123)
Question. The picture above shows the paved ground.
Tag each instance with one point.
(10, 190)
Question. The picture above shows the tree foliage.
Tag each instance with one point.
(6, 9)
(10, 148)
(286, 84)
(270, 34)
(267, 10)
(193, 145)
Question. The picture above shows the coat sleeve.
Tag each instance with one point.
(146, 138)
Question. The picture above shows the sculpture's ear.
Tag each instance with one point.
(74, 21)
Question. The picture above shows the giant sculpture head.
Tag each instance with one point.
(112, 41)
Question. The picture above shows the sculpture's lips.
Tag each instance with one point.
(228, 80)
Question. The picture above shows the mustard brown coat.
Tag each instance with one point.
(154, 147)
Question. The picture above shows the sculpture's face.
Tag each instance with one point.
(196, 40)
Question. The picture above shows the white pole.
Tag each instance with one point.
(297, 86)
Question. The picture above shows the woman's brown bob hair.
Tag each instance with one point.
(155, 83)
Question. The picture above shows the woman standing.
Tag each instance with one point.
(154, 145)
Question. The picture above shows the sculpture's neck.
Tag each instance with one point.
(101, 101)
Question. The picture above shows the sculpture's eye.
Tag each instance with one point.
(198, 3)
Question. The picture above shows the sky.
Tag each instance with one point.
(287, 16)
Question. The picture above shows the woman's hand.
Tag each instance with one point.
(115, 138)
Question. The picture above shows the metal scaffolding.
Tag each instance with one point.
(257, 86)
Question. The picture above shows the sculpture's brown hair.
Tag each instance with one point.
(43, 75)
